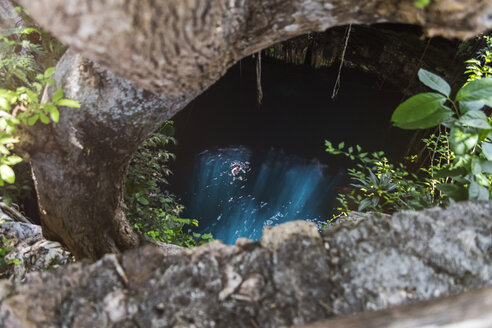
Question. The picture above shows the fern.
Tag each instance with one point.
(26, 52)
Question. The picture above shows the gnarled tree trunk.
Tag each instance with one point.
(79, 164)
(176, 48)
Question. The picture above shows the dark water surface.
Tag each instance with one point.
(284, 172)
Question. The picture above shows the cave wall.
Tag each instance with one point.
(395, 52)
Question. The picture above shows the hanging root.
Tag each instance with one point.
(259, 90)
(336, 87)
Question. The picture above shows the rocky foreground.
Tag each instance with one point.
(293, 276)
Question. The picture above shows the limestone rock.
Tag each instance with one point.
(293, 276)
(381, 262)
(29, 248)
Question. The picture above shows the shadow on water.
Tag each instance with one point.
(284, 173)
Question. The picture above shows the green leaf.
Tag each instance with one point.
(466, 106)
(477, 90)
(487, 150)
(68, 103)
(55, 115)
(453, 191)
(486, 166)
(421, 4)
(49, 71)
(462, 141)
(44, 118)
(143, 201)
(476, 168)
(12, 160)
(475, 119)
(32, 120)
(207, 236)
(441, 116)
(477, 192)
(30, 30)
(15, 261)
(4, 104)
(421, 111)
(341, 145)
(7, 173)
(8, 140)
(434, 82)
(364, 204)
(57, 95)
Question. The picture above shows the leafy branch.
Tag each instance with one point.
(469, 130)
(22, 107)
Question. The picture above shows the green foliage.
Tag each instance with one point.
(379, 185)
(152, 211)
(24, 73)
(22, 107)
(467, 172)
(4, 250)
(421, 4)
(479, 67)
(26, 52)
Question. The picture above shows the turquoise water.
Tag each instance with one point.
(271, 188)
(280, 145)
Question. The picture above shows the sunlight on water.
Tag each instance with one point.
(236, 192)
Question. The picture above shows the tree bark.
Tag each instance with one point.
(176, 48)
(79, 164)
(172, 46)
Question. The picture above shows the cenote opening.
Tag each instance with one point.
(241, 166)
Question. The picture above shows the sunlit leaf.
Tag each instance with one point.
(8, 140)
(57, 95)
(7, 173)
(32, 120)
(49, 72)
(68, 103)
(44, 118)
(12, 160)
(462, 141)
(476, 119)
(55, 115)
(477, 90)
(4, 104)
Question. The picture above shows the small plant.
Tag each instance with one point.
(467, 173)
(479, 67)
(27, 55)
(151, 210)
(22, 107)
(421, 4)
(5, 249)
(378, 185)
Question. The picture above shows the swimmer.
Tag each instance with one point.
(236, 171)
